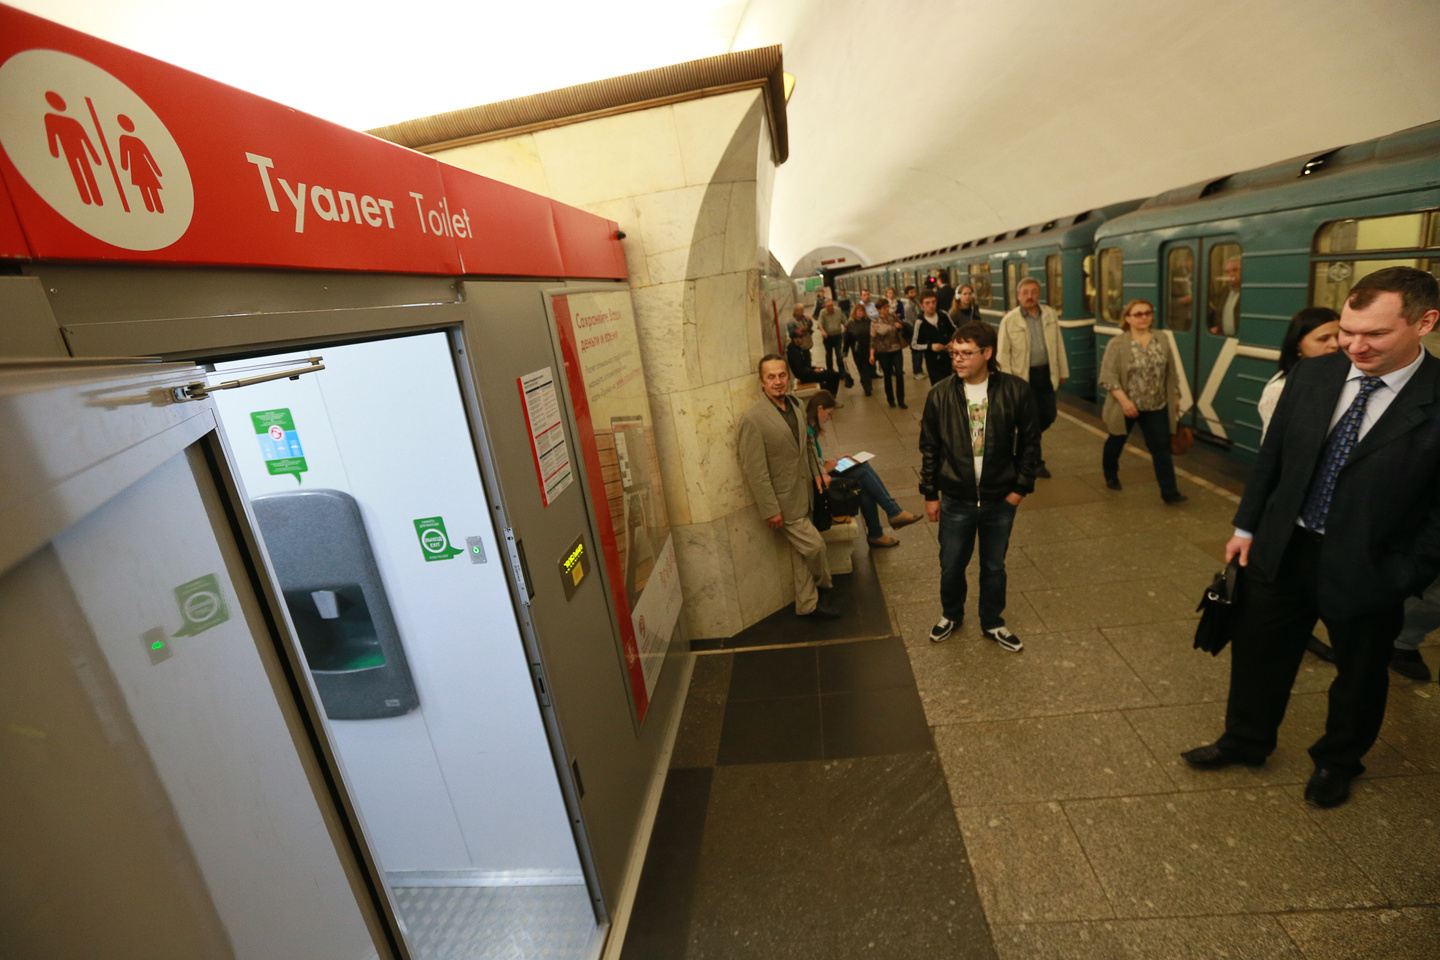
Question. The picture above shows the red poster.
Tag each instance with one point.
(617, 440)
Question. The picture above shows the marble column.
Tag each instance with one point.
(689, 184)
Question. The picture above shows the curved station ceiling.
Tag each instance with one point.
(914, 124)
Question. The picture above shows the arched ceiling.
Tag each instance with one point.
(914, 124)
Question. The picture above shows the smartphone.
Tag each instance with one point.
(843, 464)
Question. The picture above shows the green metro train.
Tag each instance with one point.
(1290, 234)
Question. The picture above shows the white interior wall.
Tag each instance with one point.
(466, 782)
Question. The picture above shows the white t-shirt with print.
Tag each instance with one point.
(977, 404)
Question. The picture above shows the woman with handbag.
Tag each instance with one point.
(872, 489)
(1142, 387)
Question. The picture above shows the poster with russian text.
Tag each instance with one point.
(617, 437)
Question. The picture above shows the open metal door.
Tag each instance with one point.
(171, 798)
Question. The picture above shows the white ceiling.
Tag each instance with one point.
(914, 123)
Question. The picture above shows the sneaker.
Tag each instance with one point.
(1043, 473)
(1409, 663)
(919, 376)
(1005, 638)
(942, 629)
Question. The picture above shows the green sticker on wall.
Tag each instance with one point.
(279, 442)
(202, 605)
(434, 541)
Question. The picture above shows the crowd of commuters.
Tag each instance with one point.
(1339, 522)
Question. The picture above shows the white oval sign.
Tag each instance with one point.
(94, 150)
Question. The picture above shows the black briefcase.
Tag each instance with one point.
(1217, 610)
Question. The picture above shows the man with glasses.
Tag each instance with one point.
(980, 444)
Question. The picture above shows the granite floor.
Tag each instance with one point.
(1048, 788)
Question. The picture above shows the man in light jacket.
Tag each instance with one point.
(1032, 349)
(779, 463)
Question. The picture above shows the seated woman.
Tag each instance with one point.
(1313, 332)
(872, 488)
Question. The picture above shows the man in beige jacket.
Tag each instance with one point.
(780, 465)
(1032, 349)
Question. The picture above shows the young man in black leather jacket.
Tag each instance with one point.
(980, 440)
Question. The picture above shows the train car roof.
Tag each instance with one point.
(1409, 159)
(1074, 230)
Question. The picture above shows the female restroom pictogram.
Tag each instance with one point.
(145, 173)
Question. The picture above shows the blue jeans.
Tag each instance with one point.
(872, 492)
(960, 522)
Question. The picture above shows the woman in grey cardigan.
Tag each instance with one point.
(1142, 386)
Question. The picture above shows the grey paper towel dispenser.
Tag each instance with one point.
(317, 542)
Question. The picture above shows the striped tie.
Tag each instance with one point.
(1337, 450)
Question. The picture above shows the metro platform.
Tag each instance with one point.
(887, 797)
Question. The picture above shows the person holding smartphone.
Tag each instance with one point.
(873, 494)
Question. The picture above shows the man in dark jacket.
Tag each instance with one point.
(933, 331)
(802, 369)
(1340, 522)
(857, 341)
(980, 443)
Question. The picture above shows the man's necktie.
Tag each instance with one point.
(1337, 450)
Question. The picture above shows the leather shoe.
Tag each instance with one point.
(1327, 789)
(1112, 483)
(1042, 472)
(1212, 756)
(1409, 663)
(902, 519)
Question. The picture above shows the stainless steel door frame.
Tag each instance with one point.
(607, 762)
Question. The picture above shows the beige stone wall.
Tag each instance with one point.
(690, 186)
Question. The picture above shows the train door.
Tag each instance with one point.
(1177, 315)
(1218, 330)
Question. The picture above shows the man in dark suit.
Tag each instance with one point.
(1340, 522)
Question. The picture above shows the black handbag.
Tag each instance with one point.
(844, 497)
(820, 512)
(1217, 610)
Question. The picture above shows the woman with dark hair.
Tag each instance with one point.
(1313, 332)
(1142, 387)
(857, 341)
(872, 488)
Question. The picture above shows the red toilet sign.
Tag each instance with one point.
(111, 155)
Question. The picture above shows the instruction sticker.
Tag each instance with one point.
(547, 433)
(434, 541)
(202, 605)
(279, 442)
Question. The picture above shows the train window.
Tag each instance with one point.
(1405, 231)
(1333, 278)
(1087, 290)
(980, 280)
(1054, 282)
(1180, 289)
(1112, 285)
(1015, 271)
(1222, 316)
